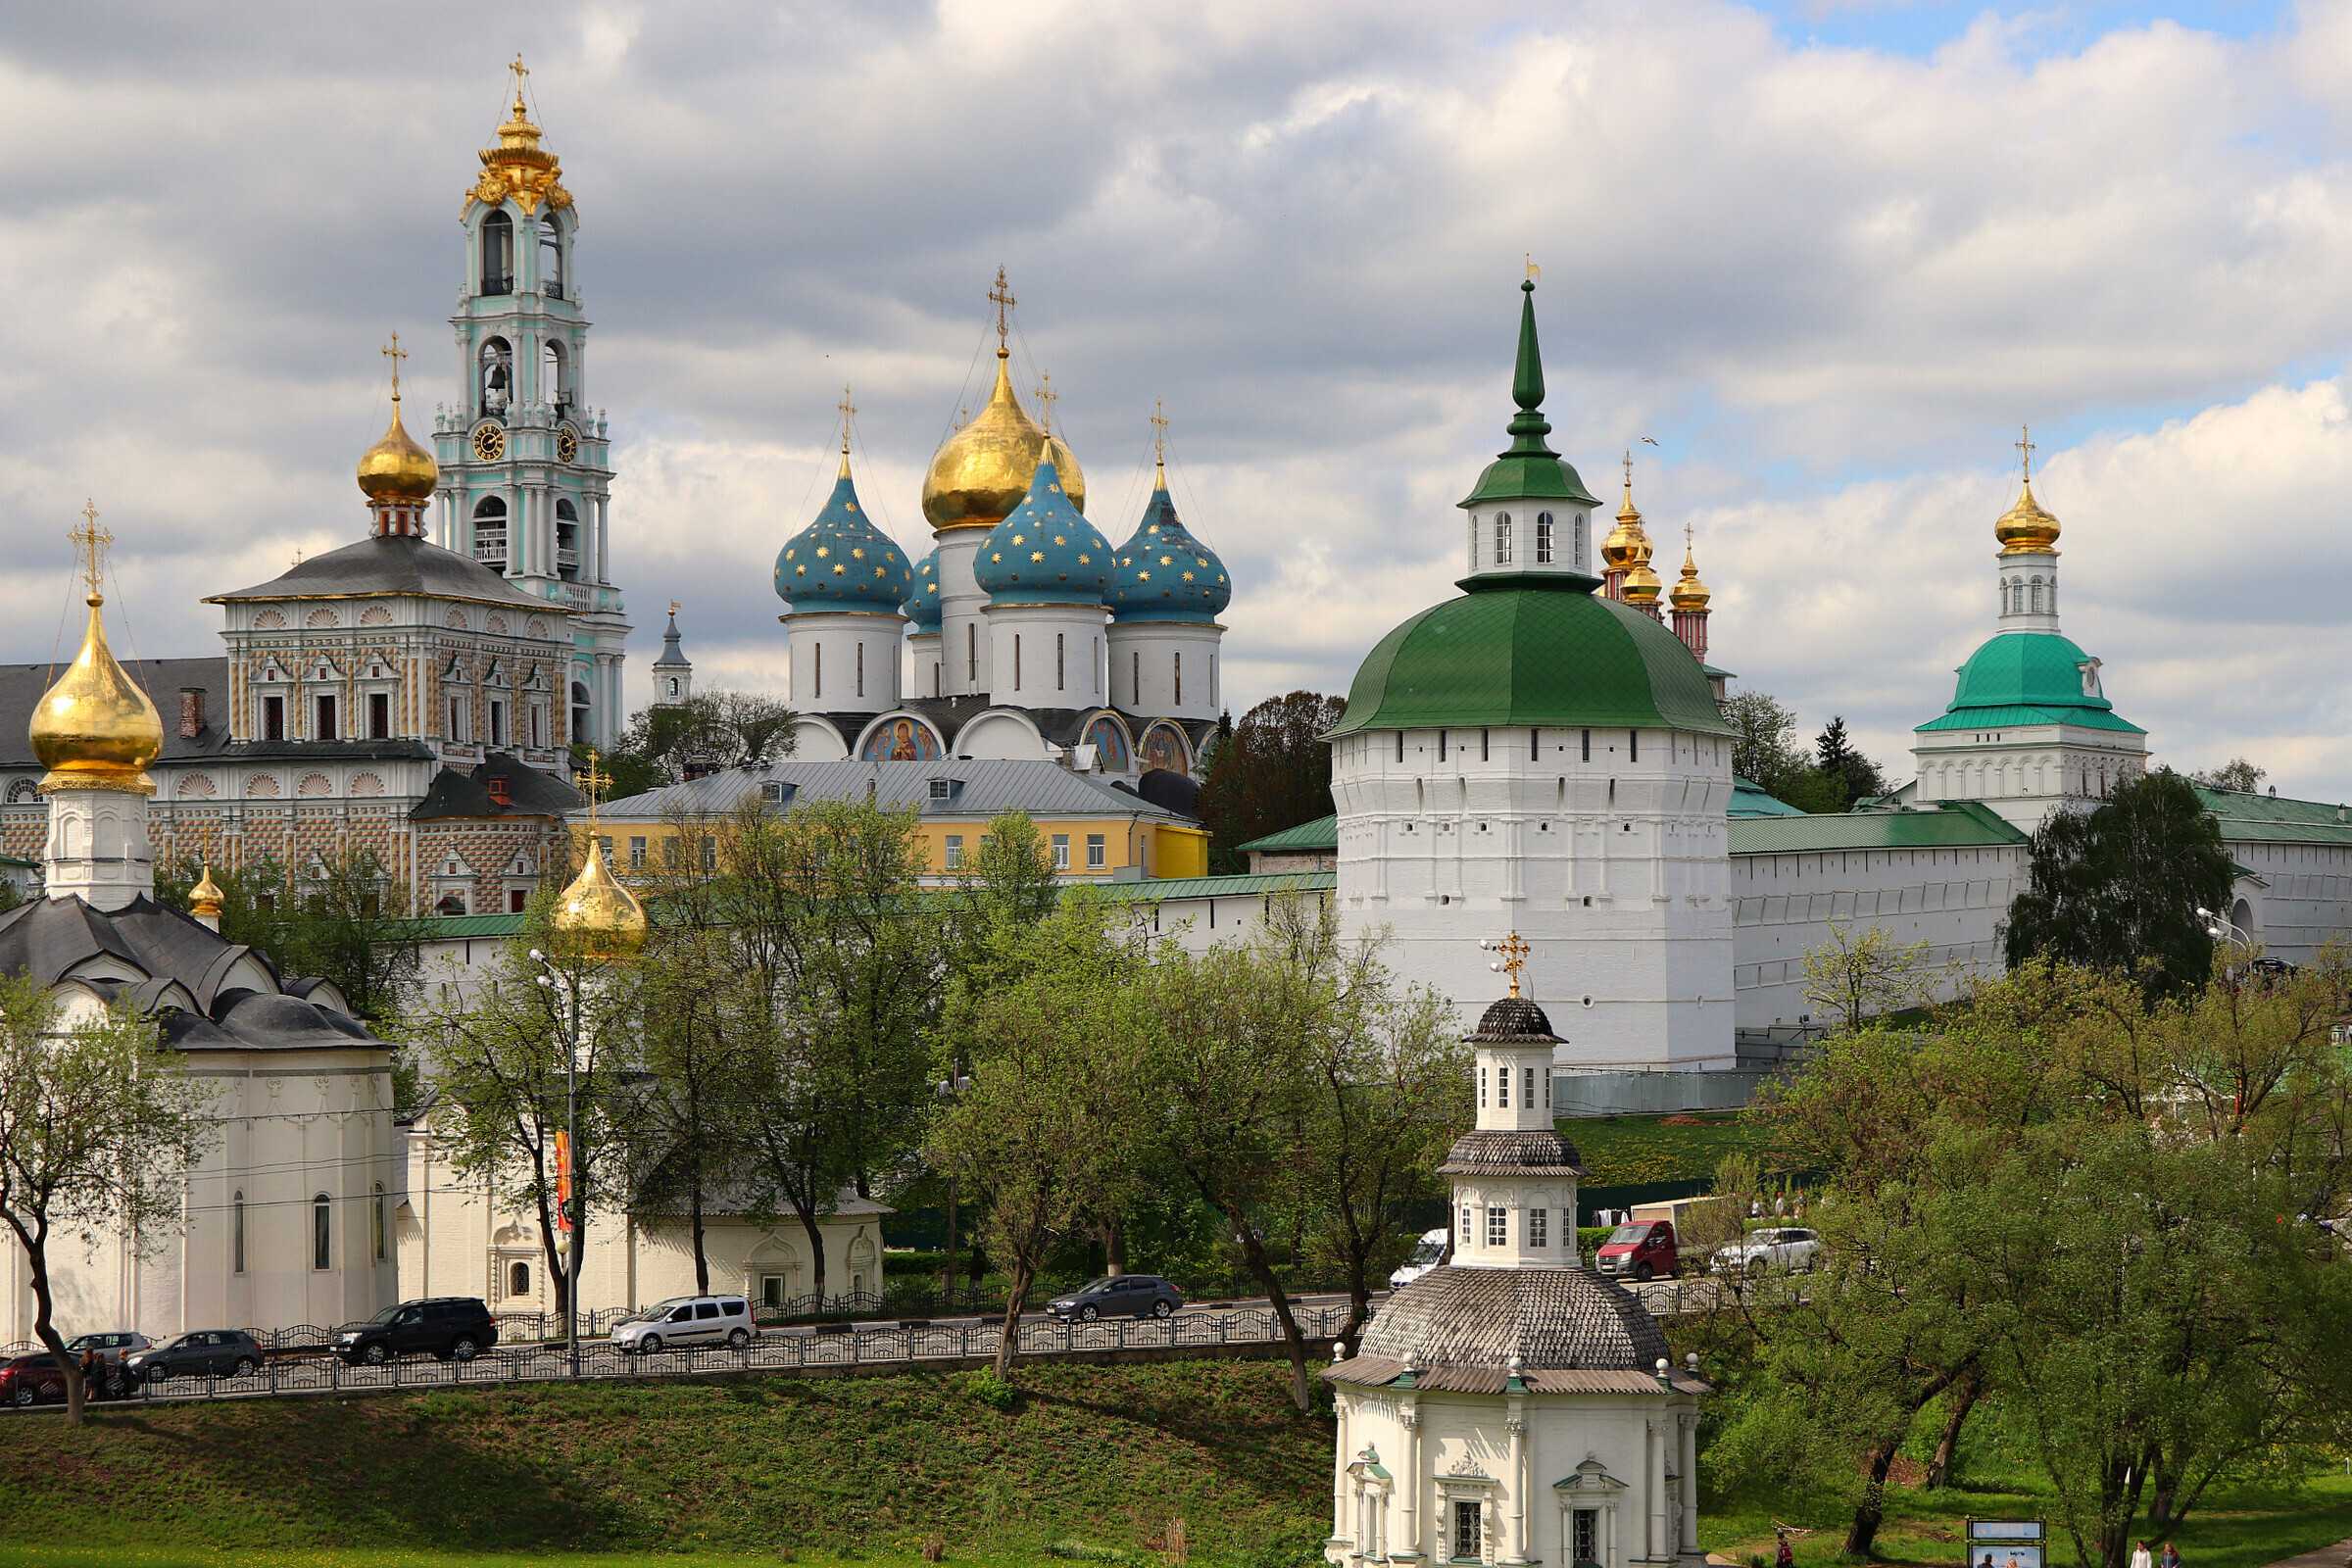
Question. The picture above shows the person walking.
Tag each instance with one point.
(2141, 1557)
(2172, 1555)
(1782, 1556)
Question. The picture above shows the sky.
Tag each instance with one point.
(1829, 257)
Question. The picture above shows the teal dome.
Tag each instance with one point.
(1163, 572)
(922, 604)
(1044, 553)
(842, 561)
(1534, 649)
(2030, 678)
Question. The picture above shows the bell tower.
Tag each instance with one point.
(526, 472)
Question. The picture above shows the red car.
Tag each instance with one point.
(1642, 1249)
(31, 1379)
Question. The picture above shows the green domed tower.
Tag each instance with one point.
(1532, 756)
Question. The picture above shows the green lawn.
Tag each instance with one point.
(1634, 1150)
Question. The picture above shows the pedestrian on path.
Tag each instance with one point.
(1782, 1556)
(2172, 1555)
(2141, 1557)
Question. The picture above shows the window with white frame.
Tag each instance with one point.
(1097, 852)
(1542, 538)
(955, 851)
(1465, 1231)
(1061, 851)
(1498, 1226)
(1503, 538)
(1502, 1088)
(1539, 1225)
(323, 1231)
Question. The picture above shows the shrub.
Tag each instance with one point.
(991, 1389)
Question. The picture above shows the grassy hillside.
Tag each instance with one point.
(1104, 1456)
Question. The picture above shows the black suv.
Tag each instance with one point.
(449, 1327)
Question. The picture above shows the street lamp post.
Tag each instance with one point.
(570, 1207)
(948, 1089)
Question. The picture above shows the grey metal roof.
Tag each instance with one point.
(985, 787)
(530, 791)
(163, 679)
(1462, 1328)
(1511, 1154)
(392, 563)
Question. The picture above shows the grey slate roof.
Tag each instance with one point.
(22, 685)
(532, 791)
(1510, 1153)
(392, 563)
(48, 939)
(987, 787)
(1461, 1329)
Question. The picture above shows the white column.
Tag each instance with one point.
(1690, 1467)
(1523, 1548)
(1338, 1479)
(1654, 1482)
(1410, 1486)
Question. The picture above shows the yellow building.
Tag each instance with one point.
(1094, 828)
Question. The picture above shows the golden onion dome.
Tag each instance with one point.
(396, 470)
(2026, 530)
(206, 897)
(95, 728)
(1628, 544)
(981, 472)
(1689, 593)
(1642, 585)
(596, 910)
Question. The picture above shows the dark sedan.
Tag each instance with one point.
(32, 1379)
(200, 1353)
(1119, 1296)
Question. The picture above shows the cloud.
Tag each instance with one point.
(1829, 279)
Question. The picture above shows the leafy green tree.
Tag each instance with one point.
(2238, 773)
(1854, 976)
(1272, 772)
(1762, 748)
(347, 918)
(709, 731)
(2118, 888)
(1837, 762)
(97, 1134)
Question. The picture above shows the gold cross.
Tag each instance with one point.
(1160, 432)
(395, 353)
(595, 784)
(1001, 297)
(1513, 949)
(92, 540)
(520, 71)
(1628, 469)
(847, 412)
(1046, 397)
(2025, 451)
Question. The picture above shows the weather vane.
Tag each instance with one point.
(1001, 297)
(1514, 951)
(90, 541)
(1534, 274)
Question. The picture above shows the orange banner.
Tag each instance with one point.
(563, 1182)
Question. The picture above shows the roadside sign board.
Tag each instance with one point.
(2006, 1543)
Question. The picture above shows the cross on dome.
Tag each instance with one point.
(520, 71)
(1160, 432)
(848, 413)
(593, 783)
(2025, 451)
(1046, 397)
(92, 540)
(395, 353)
(1000, 296)
(1514, 951)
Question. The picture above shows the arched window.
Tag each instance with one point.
(497, 374)
(551, 257)
(1503, 538)
(1542, 538)
(236, 1234)
(971, 653)
(568, 539)
(490, 531)
(376, 1219)
(579, 712)
(498, 254)
(323, 1231)
(555, 376)
(1060, 662)
(518, 1278)
(2037, 596)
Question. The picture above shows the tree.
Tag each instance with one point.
(1762, 752)
(2119, 888)
(1044, 1130)
(1837, 762)
(1853, 977)
(2238, 773)
(1273, 772)
(97, 1133)
(350, 920)
(692, 1138)
(707, 732)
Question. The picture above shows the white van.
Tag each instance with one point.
(685, 1321)
(1428, 1253)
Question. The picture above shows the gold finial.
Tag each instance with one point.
(1159, 443)
(1534, 274)
(1001, 297)
(1514, 951)
(395, 353)
(1046, 397)
(847, 412)
(2025, 451)
(92, 540)
(206, 897)
(520, 71)
(1629, 471)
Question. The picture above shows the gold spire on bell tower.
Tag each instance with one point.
(516, 167)
(2026, 530)
(596, 910)
(95, 728)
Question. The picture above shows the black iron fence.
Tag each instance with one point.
(792, 1350)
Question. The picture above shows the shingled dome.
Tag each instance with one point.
(1514, 1018)
(1466, 1330)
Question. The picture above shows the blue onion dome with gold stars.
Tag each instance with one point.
(922, 602)
(1044, 552)
(842, 561)
(1163, 572)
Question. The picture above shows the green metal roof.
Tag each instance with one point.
(1749, 798)
(2277, 819)
(1323, 833)
(1220, 887)
(1531, 650)
(1955, 825)
(2029, 677)
(449, 927)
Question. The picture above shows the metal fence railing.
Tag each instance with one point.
(842, 1345)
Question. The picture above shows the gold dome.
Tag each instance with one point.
(519, 169)
(1642, 585)
(2026, 530)
(597, 911)
(980, 473)
(395, 469)
(95, 729)
(206, 897)
(1628, 544)
(1689, 593)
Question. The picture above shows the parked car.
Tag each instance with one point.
(114, 1347)
(32, 1379)
(199, 1353)
(449, 1328)
(1119, 1295)
(687, 1320)
(1641, 1250)
(1428, 1253)
(1770, 1249)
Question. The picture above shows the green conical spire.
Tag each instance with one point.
(1529, 469)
